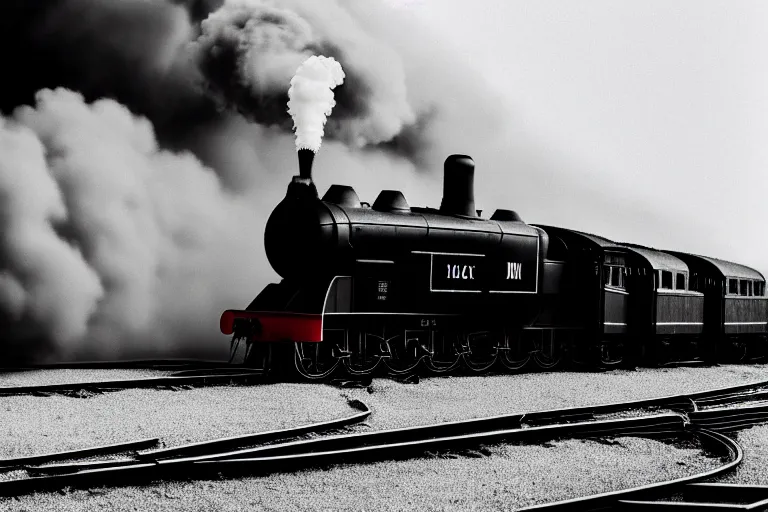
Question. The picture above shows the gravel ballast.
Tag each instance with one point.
(508, 476)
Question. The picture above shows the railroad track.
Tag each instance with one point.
(131, 364)
(238, 456)
(710, 426)
(183, 376)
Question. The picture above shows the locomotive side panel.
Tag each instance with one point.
(517, 266)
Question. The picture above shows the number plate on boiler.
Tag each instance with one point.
(456, 273)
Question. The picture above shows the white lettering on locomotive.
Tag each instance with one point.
(461, 271)
(514, 270)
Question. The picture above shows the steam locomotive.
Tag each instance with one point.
(393, 288)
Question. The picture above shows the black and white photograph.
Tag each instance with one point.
(396, 255)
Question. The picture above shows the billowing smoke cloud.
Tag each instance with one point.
(140, 157)
(311, 99)
(110, 241)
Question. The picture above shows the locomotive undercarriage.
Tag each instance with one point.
(369, 348)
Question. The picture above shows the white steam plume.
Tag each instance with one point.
(311, 99)
(248, 50)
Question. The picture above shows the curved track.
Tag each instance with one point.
(405, 443)
(709, 425)
(612, 500)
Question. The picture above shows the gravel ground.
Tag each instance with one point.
(41, 425)
(508, 477)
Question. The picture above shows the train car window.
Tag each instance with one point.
(733, 287)
(617, 277)
(680, 281)
(744, 288)
(759, 289)
(656, 280)
(666, 279)
(693, 283)
(614, 276)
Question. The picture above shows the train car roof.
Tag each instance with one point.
(726, 268)
(657, 259)
(601, 242)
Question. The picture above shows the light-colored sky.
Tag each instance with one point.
(664, 102)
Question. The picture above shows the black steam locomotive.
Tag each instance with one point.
(393, 288)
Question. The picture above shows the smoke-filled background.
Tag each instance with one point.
(144, 142)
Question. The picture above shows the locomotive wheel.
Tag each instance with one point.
(549, 353)
(314, 360)
(515, 353)
(408, 350)
(482, 350)
(445, 352)
(365, 352)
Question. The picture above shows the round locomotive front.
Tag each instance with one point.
(302, 240)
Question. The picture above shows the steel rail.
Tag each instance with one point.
(212, 446)
(144, 382)
(139, 364)
(219, 370)
(728, 420)
(189, 467)
(709, 497)
(509, 422)
(9, 464)
(612, 499)
(432, 434)
(404, 450)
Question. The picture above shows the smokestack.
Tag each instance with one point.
(459, 186)
(306, 156)
(302, 187)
